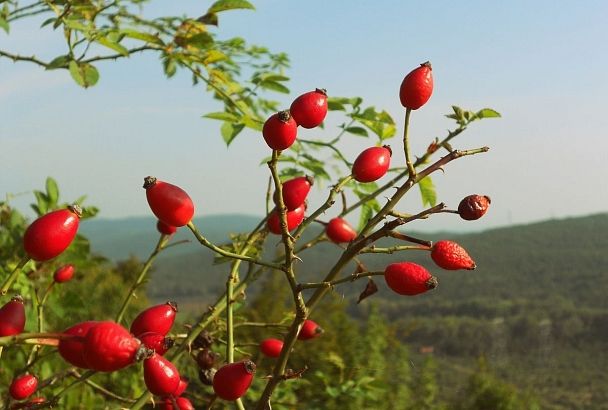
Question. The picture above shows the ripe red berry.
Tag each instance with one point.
(309, 109)
(64, 273)
(108, 347)
(372, 164)
(451, 256)
(164, 228)
(340, 231)
(50, 235)
(157, 342)
(280, 131)
(417, 87)
(232, 380)
(271, 347)
(168, 202)
(294, 219)
(23, 387)
(295, 192)
(182, 404)
(157, 319)
(12, 317)
(181, 387)
(160, 375)
(71, 349)
(310, 330)
(408, 278)
(473, 207)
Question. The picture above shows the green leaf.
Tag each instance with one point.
(169, 66)
(223, 5)
(359, 131)
(209, 18)
(274, 86)
(48, 21)
(488, 113)
(84, 74)
(222, 116)
(139, 35)
(4, 25)
(76, 25)
(229, 131)
(58, 62)
(52, 191)
(42, 203)
(333, 105)
(200, 40)
(104, 41)
(427, 191)
(252, 123)
(367, 212)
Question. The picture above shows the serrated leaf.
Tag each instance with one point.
(488, 113)
(427, 191)
(84, 74)
(140, 35)
(223, 5)
(113, 46)
(359, 131)
(4, 25)
(52, 191)
(58, 62)
(222, 116)
(229, 131)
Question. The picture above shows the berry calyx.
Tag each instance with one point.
(271, 347)
(372, 164)
(168, 202)
(12, 317)
(309, 109)
(157, 342)
(451, 256)
(64, 273)
(71, 349)
(51, 234)
(295, 192)
(160, 375)
(473, 207)
(294, 219)
(164, 228)
(108, 347)
(338, 230)
(417, 87)
(23, 387)
(280, 131)
(157, 319)
(408, 278)
(310, 330)
(231, 381)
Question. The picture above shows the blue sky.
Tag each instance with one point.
(541, 64)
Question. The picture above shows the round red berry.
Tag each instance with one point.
(280, 131)
(231, 381)
(309, 109)
(417, 87)
(164, 228)
(340, 231)
(294, 219)
(168, 202)
(271, 347)
(157, 319)
(295, 192)
(64, 273)
(372, 164)
(310, 330)
(51, 234)
(451, 256)
(473, 207)
(408, 278)
(12, 317)
(23, 387)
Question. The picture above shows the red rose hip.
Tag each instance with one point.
(51, 234)
(408, 278)
(158, 319)
(417, 87)
(160, 375)
(451, 256)
(309, 109)
(182, 404)
(71, 349)
(295, 192)
(23, 387)
(310, 330)
(340, 231)
(372, 164)
(64, 273)
(271, 347)
(232, 380)
(109, 347)
(157, 342)
(168, 202)
(12, 317)
(164, 228)
(280, 131)
(294, 219)
(473, 207)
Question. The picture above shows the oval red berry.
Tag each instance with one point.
(160, 375)
(309, 109)
(473, 207)
(168, 202)
(372, 164)
(157, 342)
(280, 131)
(71, 349)
(64, 273)
(295, 192)
(51, 234)
(408, 278)
(294, 219)
(417, 87)
(182, 404)
(157, 319)
(164, 228)
(12, 317)
(340, 231)
(109, 347)
(310, 330)
(232, 380)
(451, 256)
(23, 387)
(271, 347)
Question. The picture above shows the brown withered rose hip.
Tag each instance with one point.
(203, 340)
(473, 207)
(206, 358)
(206, 376)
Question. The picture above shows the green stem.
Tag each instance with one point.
(11, 278)
(351, 278)
(406, 144)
